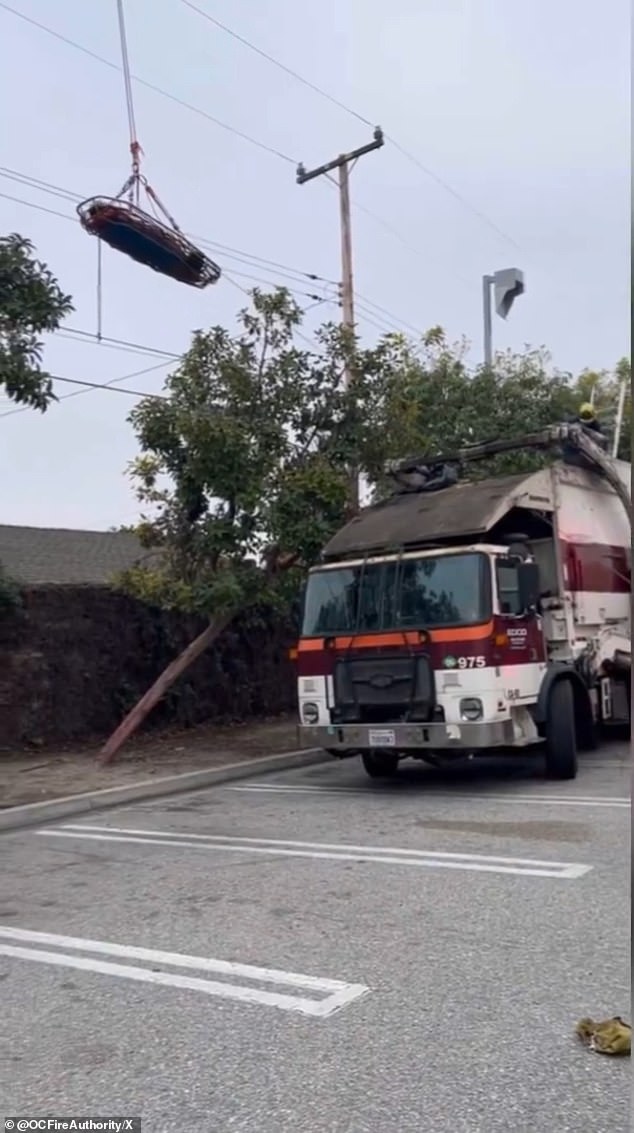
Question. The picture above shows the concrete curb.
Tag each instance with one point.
(34, 814)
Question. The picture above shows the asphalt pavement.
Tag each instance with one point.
(314, 952)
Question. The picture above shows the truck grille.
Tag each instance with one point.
(383, 687)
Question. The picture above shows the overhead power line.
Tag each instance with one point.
(37, 183)
(294, 275)
(115, 384)
(40, 208)
(266, 282)
(116, 343)
(196, 109)
(250, 258)
(112, 386)
(150, 86)
(277, 63)
(404, 240)
(361, 300)
(468, 205)
(364, 317)
(297, 333)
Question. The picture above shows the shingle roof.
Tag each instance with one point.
(49, 555)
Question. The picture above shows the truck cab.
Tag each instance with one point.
(481, 617)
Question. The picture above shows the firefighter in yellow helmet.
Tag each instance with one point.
(588, 418)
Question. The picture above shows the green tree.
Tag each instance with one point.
(31, 303)
(434, 403)
(244, 467)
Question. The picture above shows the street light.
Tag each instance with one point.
(507, 284)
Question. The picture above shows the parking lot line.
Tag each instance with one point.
(335, 993)
(384, 855)
(611, 801)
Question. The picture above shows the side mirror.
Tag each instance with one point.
(528, 586)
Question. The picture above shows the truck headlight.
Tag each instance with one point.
(310, 713)
(471, 708)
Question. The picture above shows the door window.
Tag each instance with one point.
(508, 589)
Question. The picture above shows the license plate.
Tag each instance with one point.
(382, 737)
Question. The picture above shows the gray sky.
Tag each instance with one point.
(522, 108)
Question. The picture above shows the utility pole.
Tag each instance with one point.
(342, 165)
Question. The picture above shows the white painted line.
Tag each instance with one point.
(612, 801)
(624, 763)
(385, 855)
(338, 995)
(173, 959)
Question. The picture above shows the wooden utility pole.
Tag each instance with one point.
(342, 165)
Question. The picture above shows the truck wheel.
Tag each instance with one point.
(561, 737)
(380, 764)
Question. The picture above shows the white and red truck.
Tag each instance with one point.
(480, 616)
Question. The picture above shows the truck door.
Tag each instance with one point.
(519, 637)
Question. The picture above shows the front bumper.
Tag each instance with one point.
(410, 737)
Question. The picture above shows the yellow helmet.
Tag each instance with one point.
(586, 412)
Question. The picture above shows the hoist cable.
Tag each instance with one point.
(127, 81)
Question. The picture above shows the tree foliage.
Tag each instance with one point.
(436, 403)
(602, 387)
(243, 468)
(244, 465)
(31, 303)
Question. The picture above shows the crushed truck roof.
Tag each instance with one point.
(416, 517)
(464, 510)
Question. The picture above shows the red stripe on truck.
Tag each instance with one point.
(401, 637)
(505, 642)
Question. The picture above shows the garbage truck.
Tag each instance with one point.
(467, 614)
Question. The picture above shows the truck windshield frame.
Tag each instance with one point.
(397, 595)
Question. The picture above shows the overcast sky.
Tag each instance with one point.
(521, 108)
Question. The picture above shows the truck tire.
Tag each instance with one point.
(561, 734)
(380, 764)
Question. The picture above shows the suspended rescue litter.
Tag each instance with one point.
(125, 226)
(153, 240)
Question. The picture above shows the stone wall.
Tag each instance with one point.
(74, 660)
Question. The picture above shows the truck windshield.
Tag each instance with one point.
(450, 590)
